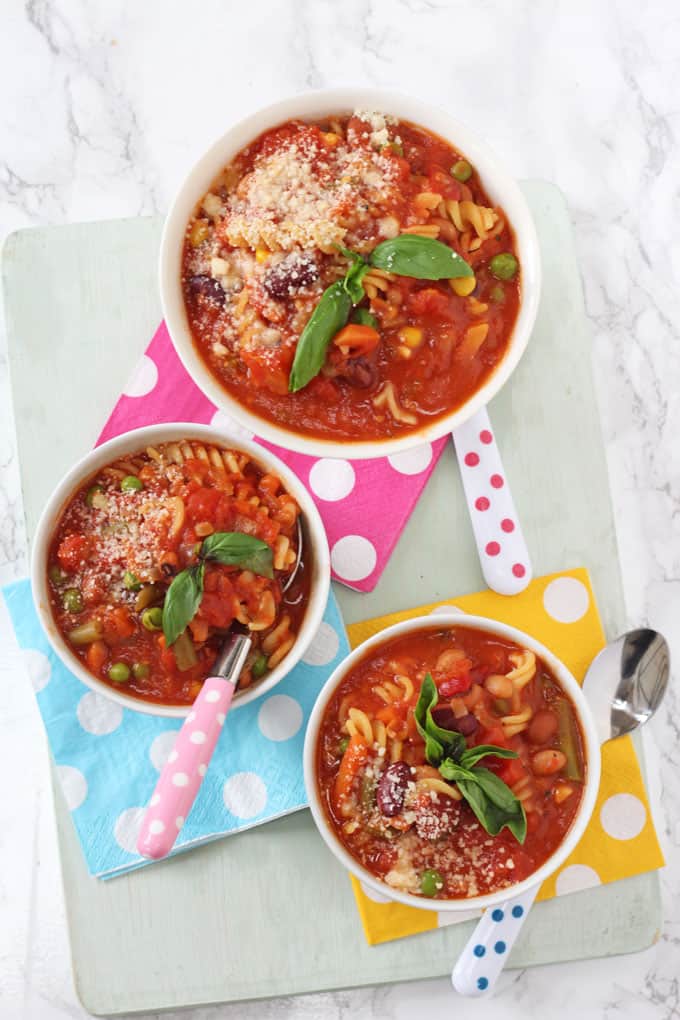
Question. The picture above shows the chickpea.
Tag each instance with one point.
(499, 686)
(547, 763)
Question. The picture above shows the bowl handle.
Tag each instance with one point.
(485, 954)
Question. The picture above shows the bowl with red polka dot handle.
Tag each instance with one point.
(503, 552)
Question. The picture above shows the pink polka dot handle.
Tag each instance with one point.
(503, 553)
(187, 764)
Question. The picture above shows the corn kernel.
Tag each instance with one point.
(463, 285)
(262, 254)
(331, 138)
(404, 352)
(199, 232)
(562, 792)
(412, 336)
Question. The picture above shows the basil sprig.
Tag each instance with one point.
(492, 800)
(184, 595)
(423, 258)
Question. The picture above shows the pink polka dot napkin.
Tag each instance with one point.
(364, 504)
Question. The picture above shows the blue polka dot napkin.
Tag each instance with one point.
(108, 758)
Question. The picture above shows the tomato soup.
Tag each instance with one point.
(404, 788)
(157, 556)
(285, 220)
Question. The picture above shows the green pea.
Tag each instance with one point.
(119, 673)
(152, 619)
(131, 581)
(56, 574)
(497, 294)
(72, 600)
(140, 670)
(343, 745)
(131, 483)
(364, 318)
(461, 170)
(95, 497)
(431, 882)
(260, 666)
(504, 266)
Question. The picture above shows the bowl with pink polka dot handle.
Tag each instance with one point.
(187, 764)
(503, 553)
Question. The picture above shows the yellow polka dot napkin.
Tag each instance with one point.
(620, 840)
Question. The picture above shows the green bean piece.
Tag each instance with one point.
(140, 670)
(119, 673)
(72, 600)
(431, 882)
(364, 318)
(131, 483)
(567, 740)
(368, 785)
(497, 294)
(152, 619)
(504, 266)
(259, 667)
(131, 581)
(148, 594)
(461, 170)
(343, 744)
(86, 633)
(185, 652)
(56, 574)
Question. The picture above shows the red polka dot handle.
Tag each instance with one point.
(502, 550)
(187, 764)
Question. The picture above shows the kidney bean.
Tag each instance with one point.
(287, 277)
(360, 373)
(207, 287)
(392, 786)
(448, 720)
(542, 727)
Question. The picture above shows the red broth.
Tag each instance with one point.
(393, 811)
(131, 528)
(262, 247)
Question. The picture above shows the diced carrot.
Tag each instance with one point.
(355, 339)
(96, 655)
(352, 761)
(389, 714)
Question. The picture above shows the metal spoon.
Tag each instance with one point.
(624, 686)
(182, 775)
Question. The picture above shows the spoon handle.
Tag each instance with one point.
(486, 953)
(503, 553)
(183, 773)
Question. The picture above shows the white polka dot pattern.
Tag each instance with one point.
(566, 599)
(575, 877)
(161, 749)
(324, 646)
(74, 785)
(144, 378)
(623, 816)
(127, 827)
(245, 795)
(332, 480)
(98, 715)
(39, 669)
(353, 558)
(280, 717)
(224, 423)
(412, 462)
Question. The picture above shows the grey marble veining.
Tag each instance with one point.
(106, 104)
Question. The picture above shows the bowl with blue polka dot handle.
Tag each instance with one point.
(487, 950)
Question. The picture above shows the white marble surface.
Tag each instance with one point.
(106, 103)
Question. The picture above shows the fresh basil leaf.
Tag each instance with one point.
(472, 755)
(364, 318)
(182, 600)
(233, 548)
(420, 257)
(441, 742)
(329, 316)
(353, 281)
(428, 697)
(492, 801)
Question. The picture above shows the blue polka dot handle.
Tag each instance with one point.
(486, 953)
